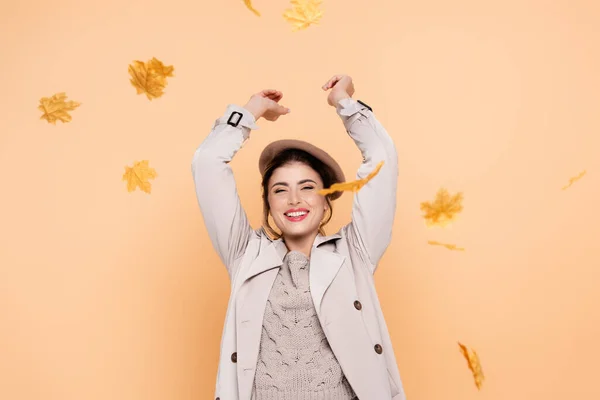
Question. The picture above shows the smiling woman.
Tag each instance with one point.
(304, 321)
(291, 180)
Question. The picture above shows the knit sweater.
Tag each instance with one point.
(295, 360)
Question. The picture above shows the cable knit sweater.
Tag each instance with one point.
(295, 360)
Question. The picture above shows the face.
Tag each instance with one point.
(296, 207)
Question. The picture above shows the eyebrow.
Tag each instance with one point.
(299, 183)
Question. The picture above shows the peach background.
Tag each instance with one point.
(106, 294)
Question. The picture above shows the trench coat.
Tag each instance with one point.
(341, 265)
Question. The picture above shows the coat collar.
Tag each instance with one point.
(324, 266)
(324, 262)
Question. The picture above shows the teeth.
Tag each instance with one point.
(296, 214)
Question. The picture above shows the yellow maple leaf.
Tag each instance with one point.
(139, 176)
(574, 179)
(444, 208)
(56, 108)
(303, 14)
(353, 186)
(155, 65)
(473, 364)
(446, 245)
(249, 5)
(150, 77)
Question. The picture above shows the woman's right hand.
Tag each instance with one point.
(266, 104)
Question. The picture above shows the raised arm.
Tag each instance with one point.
(374, 206)
(216, 190)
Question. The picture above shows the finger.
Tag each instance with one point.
(267, 92)
(283, 110)
(337, 79)
(327, 84)
(275, 100)
(331, 82)
(275, 96)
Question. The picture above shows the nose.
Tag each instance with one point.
(293, 198)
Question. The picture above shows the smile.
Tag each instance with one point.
(296, 216)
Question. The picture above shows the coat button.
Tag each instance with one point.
(234, 357)
(357, 305)
(378, 349)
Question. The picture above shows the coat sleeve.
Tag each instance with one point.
(374, 205)
(216, 191)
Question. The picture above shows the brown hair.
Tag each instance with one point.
(286, 157)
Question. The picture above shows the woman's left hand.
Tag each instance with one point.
(341, 88)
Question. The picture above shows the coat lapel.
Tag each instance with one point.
(324, 266)
(270, 257)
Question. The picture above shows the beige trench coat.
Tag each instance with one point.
(341, 265)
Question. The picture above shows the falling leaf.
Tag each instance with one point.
(446, 245)
(303, 14)
(56, 108)
(159, 68)
(249, 5)
(444, 208)
(150, 77)
(145, 80)
(353, 186)
(138, 176)
(574, 179)
(474, 364)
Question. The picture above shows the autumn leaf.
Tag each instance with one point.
(249, 5)
(444, 208)
(473, 364)
(57, 108)
(353, 186)
(303, 14)
(446, 245)
(155, 65)
(574, 179)
(138, 176)
(146, 81)
(150, 77)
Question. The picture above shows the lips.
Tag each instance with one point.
(296, 215)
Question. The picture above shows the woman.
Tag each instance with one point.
(303, 320)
